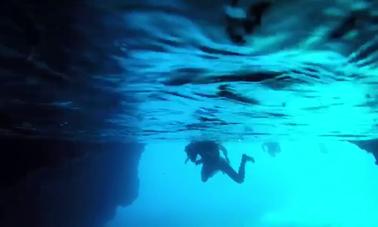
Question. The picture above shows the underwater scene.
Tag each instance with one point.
(307, 184)
(189, 113)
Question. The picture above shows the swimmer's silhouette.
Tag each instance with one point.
(212, 162)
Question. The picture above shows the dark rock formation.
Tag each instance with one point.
(370, 146)
(52, 183)
(56, 63)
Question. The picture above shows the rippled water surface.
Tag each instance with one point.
(309, 69)
(216, 69)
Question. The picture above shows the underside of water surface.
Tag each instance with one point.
(99, 99)
(307, 69)
(184, 69)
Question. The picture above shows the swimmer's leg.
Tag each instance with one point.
(238, 177)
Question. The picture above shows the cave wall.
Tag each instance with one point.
(50, 183)
(53, 109)
(370, 146)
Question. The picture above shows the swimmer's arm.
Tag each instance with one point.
(192, 158)
(199, 161)
(225, 152)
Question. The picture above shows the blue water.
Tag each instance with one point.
(307, 184)
(167, 72)
(291, 78)
(300, 79)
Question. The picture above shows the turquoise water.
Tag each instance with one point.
(307, 184)
(292, 78)
(97, 75)
(306, 78)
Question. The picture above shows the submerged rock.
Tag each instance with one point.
(56, 183)
(59, 93)
(370, 146)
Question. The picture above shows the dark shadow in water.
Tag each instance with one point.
(60, 183)
(57, 63)
(370, 146)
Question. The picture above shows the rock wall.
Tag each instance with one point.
(48, 183)
(370, 146)
(56, 98)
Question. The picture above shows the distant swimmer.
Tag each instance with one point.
(212, 162)
(272, 148)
